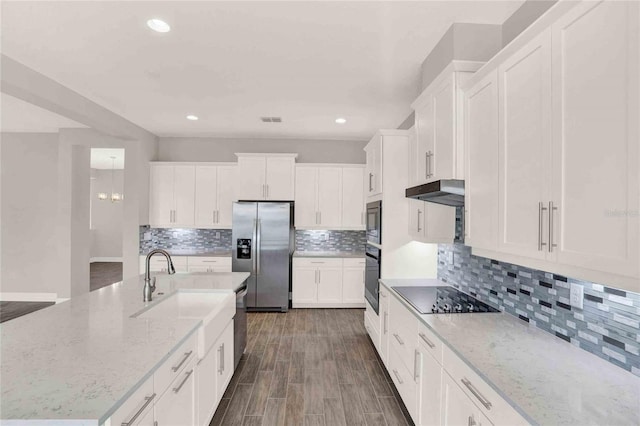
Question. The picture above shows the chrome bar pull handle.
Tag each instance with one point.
(370, 182)
(222, 359)
(182, 361)
(398, 339)
(186, 377)
(426, 165)
(427, 341)
(386, 320)
(484, 401)
(398, 376)
(472, 421)
(145, 404)
(416, 365)
(541, 209)
(419, 212)
(253, 246)
(552, 209)
(259, 245)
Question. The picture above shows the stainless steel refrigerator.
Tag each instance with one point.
(262, 244)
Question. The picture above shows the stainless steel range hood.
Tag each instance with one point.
(449, 192)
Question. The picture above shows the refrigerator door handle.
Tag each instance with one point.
(258, 244)
(253, 246)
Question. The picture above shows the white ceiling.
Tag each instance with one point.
(232, 62)
(101, 158)
(17, 115)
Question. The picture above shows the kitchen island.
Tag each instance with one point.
(77, 362)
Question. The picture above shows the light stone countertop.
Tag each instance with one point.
(547, 380)
(77, 361)
(197, 253)
(343, 254)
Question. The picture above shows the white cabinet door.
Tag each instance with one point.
(429, 389)
(374, 166)
(524, 162)
(481, 153)
(199, 269)
(329, 285)
(442, 161)
(251, 178)
(184, 195)
(457, 408)
(439, 223)
(206, 392)
(416, 219)
(280, 177)
(206, 196)
(224, 360)
(425, 144)
(305, 285)
(329, 197)
(352, 198)
(353, 285)
(161, 203)
(226, 182)
(384, 325)
(176, 406)
(306, 197)
(595, 137)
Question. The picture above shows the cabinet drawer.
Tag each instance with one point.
(430, 342)
(403, 331)
(209, 261)
(490, 403)
(405, 382)
(136, 406)
(354, 263)
(373, 331)
(176, 362)
(161, 260)
(317, 262)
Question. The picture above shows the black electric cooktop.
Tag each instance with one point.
(442, 300)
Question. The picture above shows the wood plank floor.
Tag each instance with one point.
(309, 367)
(11, 310)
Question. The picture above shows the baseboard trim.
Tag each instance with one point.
(29, 297)
(105, 259)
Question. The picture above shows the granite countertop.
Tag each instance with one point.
(547, 380)
(344, 254)
(77, 361)
(196, 252)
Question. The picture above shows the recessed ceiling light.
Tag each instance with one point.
(192, 117)
(158, 25)
(341, 120)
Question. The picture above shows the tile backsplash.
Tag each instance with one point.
(608, 326)
(185, 239)
(312, 240)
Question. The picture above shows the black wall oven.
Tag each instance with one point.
(372, 275)
(374, 222)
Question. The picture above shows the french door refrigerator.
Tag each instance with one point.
(262, 244)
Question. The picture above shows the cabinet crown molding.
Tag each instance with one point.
(453, 67)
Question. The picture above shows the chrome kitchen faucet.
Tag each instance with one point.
(149, 287)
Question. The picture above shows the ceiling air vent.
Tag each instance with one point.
(271, 119)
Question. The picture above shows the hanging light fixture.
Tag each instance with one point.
(115, 196)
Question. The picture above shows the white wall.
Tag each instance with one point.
(106, 216)
(28, 169)
(223, 149)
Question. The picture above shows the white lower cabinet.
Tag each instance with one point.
(176, 406)
(327, 282)
(138, 408)
(457, 409)
(436, 386)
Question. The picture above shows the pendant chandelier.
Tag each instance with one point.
(115, 196)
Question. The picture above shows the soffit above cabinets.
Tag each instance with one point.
(230, 63)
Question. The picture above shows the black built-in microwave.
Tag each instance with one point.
(374, 222)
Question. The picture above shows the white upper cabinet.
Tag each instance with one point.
(353, 204)
(568, 135)
(438, 149)
(373, 171)
(596, 123)
(266, 177)
(481, 152)
(329, 196)
(172, 194)
(524, 148)
(214, 196)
